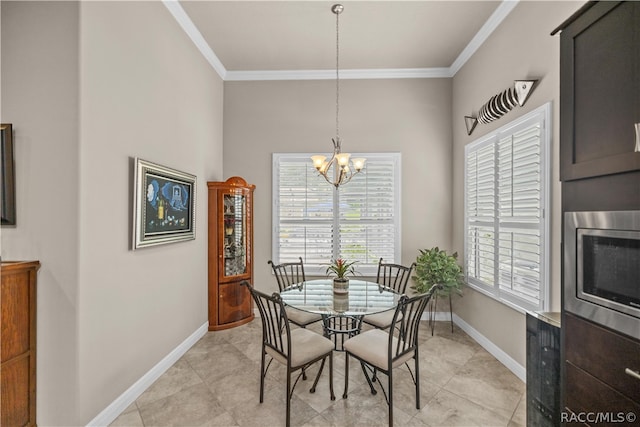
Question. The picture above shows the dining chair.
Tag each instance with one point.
(288, 274)
(297, 349)
(384, 350)
(392, 276)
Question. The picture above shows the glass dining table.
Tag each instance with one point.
(342, 313)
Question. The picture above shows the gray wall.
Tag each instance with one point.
(87, 86)
(520, 48)
(40, 97)
(407, 116)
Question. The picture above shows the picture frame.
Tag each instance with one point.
(164, 201)
(7, 175)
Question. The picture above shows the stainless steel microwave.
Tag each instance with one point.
(602, 268)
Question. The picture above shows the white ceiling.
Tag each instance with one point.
(297, 39)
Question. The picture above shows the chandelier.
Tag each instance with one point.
(340, 168)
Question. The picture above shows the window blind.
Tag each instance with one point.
(506, 180)
(358, 222)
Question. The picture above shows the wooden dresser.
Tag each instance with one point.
(18, 345)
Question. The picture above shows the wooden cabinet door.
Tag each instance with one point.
(588, 398)
(234, 303)
(604, 354)
(599, 95)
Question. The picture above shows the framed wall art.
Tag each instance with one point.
(164, 205)
(8, 178)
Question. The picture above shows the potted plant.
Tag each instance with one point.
(435, 266)
(341, 269)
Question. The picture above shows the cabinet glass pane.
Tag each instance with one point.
(235, 239)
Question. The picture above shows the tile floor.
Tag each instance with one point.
(216, 383)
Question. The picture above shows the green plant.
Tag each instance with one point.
(341, 268)
(435, 266)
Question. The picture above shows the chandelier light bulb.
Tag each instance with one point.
(318, 160)
(343, 159)
(358, 163)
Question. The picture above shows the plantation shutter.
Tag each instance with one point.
(368, 211)
(506, 180)
(362, 217)
(520, 213)
(305, 213)
(481, 213)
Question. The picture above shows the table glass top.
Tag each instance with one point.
(317, 296)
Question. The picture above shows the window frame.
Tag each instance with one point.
(368, 270)
(542, 116)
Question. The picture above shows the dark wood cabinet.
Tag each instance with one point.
(615, 354)
(230, 252)
(598, 361)
(600, 171)
(586, 394)
(600, 91)
(18, 348)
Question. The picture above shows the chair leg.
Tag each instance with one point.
(333, 396)
(262, 374)
(366, 375)
(417, 381)
(346, 374)
(315, 383)
(288, 422)
(390, 396)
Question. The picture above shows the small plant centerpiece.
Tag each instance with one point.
(435, 266)
(341, 269)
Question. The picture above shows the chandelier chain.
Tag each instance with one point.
(337, 76)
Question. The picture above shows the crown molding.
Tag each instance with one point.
(388, 73)
(483, 34)
(196, 37)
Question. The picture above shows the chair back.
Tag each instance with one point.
(275, 325)
(394, 276)
(288, 273)
(406, 321)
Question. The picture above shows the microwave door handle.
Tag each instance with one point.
(631, 372)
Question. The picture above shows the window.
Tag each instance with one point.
(506, 195)
(360, 221)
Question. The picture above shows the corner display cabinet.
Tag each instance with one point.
(230, 252)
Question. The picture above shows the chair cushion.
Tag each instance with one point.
(300, 317)
(381, 320)
(305, 347)
(372, 347)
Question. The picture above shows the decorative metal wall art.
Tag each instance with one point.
(500, 104)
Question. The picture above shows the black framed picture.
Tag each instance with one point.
(8, 178)
(164, 205)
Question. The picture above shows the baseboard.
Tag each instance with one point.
(111, 412)
(518, 370)
(439, 316)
